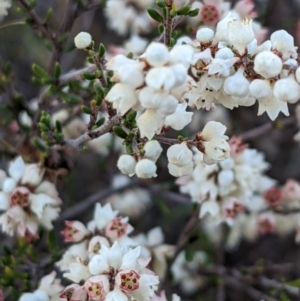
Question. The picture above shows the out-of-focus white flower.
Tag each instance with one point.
(136, 44)
(83, 40)
(267, 64)
(4, 6)
(145, 169)
(240, 34)
(24, 117)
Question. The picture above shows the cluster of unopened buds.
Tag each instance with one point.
(26, 200)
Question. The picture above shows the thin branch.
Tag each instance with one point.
(75, 75)
(105, 128)
(265, 128)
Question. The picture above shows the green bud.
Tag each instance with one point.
(160, 3)
(39, 71)
(161, 28)
(7, 68)
(98, 73)
(43, 126)
(48, 15)
(194, 12)
(46, 120)
(88, 76)
(99, 100)
(119, 132)
(131, 135)
(90, 60)
(39, 145)
(36, 81)
(57, 70)
(130, 55)
(91, 52)
(155, 15)
(100, 122)
(129, 149)
(63, 38)
(98, 89)
(29, 21)
(70, 98)
(86, 110)
(47, 81)
(101, 50)
(58, 126)
(32, 4)
(131, 115)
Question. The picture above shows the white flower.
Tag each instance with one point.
(217, 149)
(209, 207)
(161, 78)
(237, 84)
(150, 123)
(182, 54)
(204, 35)
(74, 231)
(152, 150)
(23, 117)
(145, 169)
(283, 42)
(273, 106)
(179, 154)
(179, 171)
(297, 74)
(123, 97)
(240, 34)
(213, 129)
(260, 89)
(83, 40)
(103, 215)
(33, 174)
(267, 64)
(180, 119)
(287, 89)
(126, 164)
(4, 6)
(157, 54)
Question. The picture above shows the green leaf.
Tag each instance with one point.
(119, 132)
(57, 70)
(88, 76)
(86, 110)
(39, 71)
(131, 115)
(155, 15)
(184, 10)
(101, 50)
(51, 241)
(100, 122)
(194, 12)
(160, 3)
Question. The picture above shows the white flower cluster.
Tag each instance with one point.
(129, 16)
(229, 187)
(231, 69)
(115, 273)
(153, 85)
(48, 290)
(27, 201)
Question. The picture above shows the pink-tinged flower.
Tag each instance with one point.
(209, 14)
(290, 190)
(273, 196)
(246, 9)
(128, 281)
(96, 243)
(74, 231)
(117, 227)
(50, 284)
(236, 146)
(20, 197)
(266, 223)
(97, 287)
(74, 292)
(232, 207)
(1, 295)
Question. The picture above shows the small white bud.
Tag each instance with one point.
(157, 54)
(267, 64)
(213, 129)
(236, 85)
(145, 169)
(179, 154)
(83, 40)
(152, 150)
(224, 53)
(41, 295)
(287, 89)
(282, 41)
(260, 89)
(126, 164)
(204, 35)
